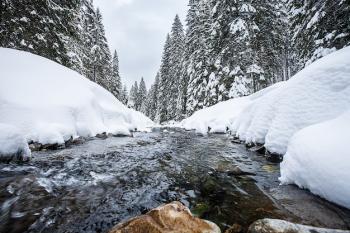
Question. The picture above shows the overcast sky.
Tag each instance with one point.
(137, 30)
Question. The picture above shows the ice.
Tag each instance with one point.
(45, 102)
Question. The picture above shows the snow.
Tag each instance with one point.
(13, 145)
(318, 93)
(318, 159)
(307, 119)
(222, 115)
(49, 103)
(217, 117)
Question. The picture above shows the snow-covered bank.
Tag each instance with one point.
(49, 103)
(221, 116)
(318, 159)
(314, 106)
(318, 93)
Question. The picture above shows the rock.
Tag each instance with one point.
(273, 157)
(236, 228)
(102, 135)
(170, 218)
(258, 149)
(54, 146)
(280, 226)
(34, 146)
(236, 171)
(236, 141)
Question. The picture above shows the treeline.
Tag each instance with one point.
(69, 32)
(233, 48)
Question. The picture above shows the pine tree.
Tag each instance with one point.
(134, 91)
(176, 59)
(141, 96)
(101, 54)
(318, 28)
(152, 100)
(41, 27)
(116, 85)
(124, 96)
(162, 110)
(198, 23)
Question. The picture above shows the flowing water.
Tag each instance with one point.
(95, 185)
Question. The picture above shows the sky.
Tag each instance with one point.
(137, 29)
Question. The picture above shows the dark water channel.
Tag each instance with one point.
(93, 186)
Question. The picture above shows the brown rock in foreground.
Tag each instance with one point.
(170, 218)
(280, 226)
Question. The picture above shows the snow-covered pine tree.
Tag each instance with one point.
(124, 96)
(152, 100)
(115, 85)
(318, 28)
(141, 96)
(42, 27)
(197, 65)
(163, 102)
(176, 58)
(101, 54)
(134, 91)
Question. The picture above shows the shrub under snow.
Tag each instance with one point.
(49, 103)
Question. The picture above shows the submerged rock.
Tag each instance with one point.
(280, 226)
(170, 218)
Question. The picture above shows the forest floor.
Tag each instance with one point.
(95, 185)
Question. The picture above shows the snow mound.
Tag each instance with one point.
(49, 103)
(13, 146)
(318, 159)
(318, 93)
(217, 117)
(222, 115)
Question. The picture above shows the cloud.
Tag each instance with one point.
(137, 30)
(119, 3)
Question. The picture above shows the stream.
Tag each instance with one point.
(93, 186)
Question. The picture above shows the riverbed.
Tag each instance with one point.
(93, 186)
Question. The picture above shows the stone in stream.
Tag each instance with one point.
(280, 226)
(170, 218)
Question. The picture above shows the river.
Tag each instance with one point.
(95, 185)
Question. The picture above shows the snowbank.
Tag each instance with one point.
(306, 118)
(222, 115)
(217, 117)
(318, 159)
(49, 103)
(13, 146)
(318, 93)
